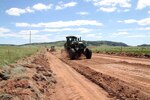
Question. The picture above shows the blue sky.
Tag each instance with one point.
(125, 21)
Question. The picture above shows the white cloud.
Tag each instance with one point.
(28, 32)
(143, 28)
(41, 6)
(110, 5)
(142, 4)
(91, 35)
(22, 24)
(140, 29)
(129, 21)
(95, 36)
(112, 9)
(137, 36)
(70, 4)
(61, 5)
(10, 35)
(29, 10)
(126, 10)
(60, 24)
(81, 30)
(82, 13)
(20, 11)
(149, 12)
(4, 30)
(120, 33)
(15, 11)
(7, 35)
(34, 38)
(24, 34)
(145, 21)
(121, 3)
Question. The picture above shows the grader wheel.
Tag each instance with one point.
(88, 53)
(72, 54)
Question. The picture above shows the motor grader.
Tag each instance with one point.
(75, 48)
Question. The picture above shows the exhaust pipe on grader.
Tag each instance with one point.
(75, 48)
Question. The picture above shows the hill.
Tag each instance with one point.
(89, 43)
(109, 43)
(7, 45)
(144, 45)
(57, 43)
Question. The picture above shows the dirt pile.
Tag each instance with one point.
(136, 55)
(29, 79)
(115, 87)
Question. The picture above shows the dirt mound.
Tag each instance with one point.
(115, 87)
(136, 55)
(28, 79)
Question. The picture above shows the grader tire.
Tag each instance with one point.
(88, 53)
(72, 54)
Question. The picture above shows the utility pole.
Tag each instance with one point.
(30, 37)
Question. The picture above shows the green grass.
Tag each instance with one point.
(118, 49)
(9, 54)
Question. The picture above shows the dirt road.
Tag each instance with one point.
(132, 74)
(73, 86)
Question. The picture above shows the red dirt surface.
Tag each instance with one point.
(123, 78)
(71, 85)
(52, 76)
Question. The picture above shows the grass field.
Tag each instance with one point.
(9, 54)
(118, 49)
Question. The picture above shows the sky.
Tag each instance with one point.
(125, 21)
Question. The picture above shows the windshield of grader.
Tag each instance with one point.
(71, 39)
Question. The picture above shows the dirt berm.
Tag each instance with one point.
(115, 87)
(28, 79)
